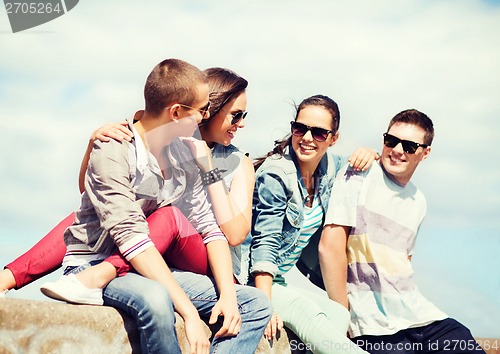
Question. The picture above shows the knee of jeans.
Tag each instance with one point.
(335, 312)
(157, 303)
(259, 301)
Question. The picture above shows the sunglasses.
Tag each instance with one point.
(236, 117)
(409, 146)
(318, 134)
(203, 110)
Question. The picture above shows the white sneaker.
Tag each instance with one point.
(68, 288)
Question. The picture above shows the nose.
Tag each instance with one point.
(241, 123)
(308, 136)
(398, 148)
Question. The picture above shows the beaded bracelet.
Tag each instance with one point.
(211, 176)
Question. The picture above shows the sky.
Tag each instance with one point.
(63, 79)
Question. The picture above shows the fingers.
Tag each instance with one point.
(214, 316)
(125, 131)
(120, 132)
(203, 347)
(273, 327)
(279, 324)
(267, 331)
(358, 159)
(362, 159)
(200, 347)
(361, 162)
(197, 337)
(230, 327)
(117, 131)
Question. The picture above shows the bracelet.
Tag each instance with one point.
(211, 176)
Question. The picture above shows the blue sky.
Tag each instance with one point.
(61, 80)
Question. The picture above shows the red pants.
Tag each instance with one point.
(173, 235)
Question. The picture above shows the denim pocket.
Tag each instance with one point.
(294, 215)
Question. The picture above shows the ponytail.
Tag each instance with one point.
(279, 149)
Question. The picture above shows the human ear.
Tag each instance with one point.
(426, 153)
(334, 139)
(173, 112)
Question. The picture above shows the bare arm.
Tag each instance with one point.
(151, 264)
(233, 210)
(264, 282)
(333, 262)
(220, 263)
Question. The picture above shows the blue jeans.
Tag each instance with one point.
(151, 307)
(149, 304)
(254, 307)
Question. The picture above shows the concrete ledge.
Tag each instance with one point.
(44, 327)
(28, 326)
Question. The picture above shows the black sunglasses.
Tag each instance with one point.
(409, 146)
(238, 116)
(318, 134)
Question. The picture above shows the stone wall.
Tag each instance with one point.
(44, 327)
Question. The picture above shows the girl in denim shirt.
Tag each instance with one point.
(292, 189)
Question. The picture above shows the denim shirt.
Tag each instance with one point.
(278, 208)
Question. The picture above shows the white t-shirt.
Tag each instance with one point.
(384, 219)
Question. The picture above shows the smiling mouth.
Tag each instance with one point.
(231, 134)
(307, 147)
(396, 160)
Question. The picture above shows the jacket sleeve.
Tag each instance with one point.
(109, 188)
(269, 206)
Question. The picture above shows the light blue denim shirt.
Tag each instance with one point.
(278, 208)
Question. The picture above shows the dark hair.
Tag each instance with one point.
(412, 116)
(316, 100)
(224, 85)
(171, 81)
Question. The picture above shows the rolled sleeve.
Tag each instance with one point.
(109, 188)
(342, 207)
(214, 235)
(270, 202)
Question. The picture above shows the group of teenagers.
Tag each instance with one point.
(174, 218)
